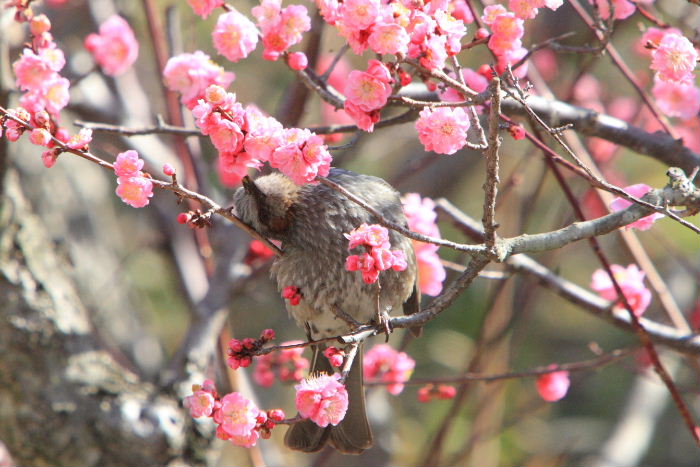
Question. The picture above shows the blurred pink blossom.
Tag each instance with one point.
(115, 48)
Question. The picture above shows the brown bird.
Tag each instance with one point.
(310, 221)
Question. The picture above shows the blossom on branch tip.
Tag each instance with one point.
(322, 399)
(115, 48)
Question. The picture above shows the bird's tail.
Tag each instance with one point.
(353, 434)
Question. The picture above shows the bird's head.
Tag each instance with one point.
(267, 204)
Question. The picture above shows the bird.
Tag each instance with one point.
(310, 221)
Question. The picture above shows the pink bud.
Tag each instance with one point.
(233, 362)
(446, 392)
(249, 343)
(39, 25)
(517, 132)
(184, 217)
(481, 33)
(268, 335)
(168, 170)
(276, 415)
(42, 118)
(425, 393)
(298, 61)
(245, 361)
(235, 345)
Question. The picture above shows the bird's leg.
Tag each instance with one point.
(345, 317)
(383, 318)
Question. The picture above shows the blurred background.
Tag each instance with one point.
(142, 276)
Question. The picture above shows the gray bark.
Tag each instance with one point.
(64, 399)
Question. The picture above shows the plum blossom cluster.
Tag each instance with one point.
(238, 419)
(191, 74)
(241, 352)
(430, 392)
(553, 386)
(421, 216)
(638, 190)
(506, 33)
(631, 281)
(366, 93)
(674, 59)
(115, 47)
(427, 31)
(386, 365)
(280, 27)
(246, 138)
(378, 257)
(322, 398)
(133, 187)
(286, 365)
(38, 75)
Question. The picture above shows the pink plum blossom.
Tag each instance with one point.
(369, 90)
(443, 130)
(32, 70)
(631, 281)
(675, 58)
(360, 14)
(525, 9)
(115, 48)
(204, 8)
(638, 190)
(491, 12)
(385, 364)
(364, 120)
(677, 99)
(40, 137)
(553, 386)
(128, 164)
(237, 415)
(80, 140)
(200, 403)
(322, 399)
(388, 38)
(134, 191)
(280, 27)
(235, 36)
